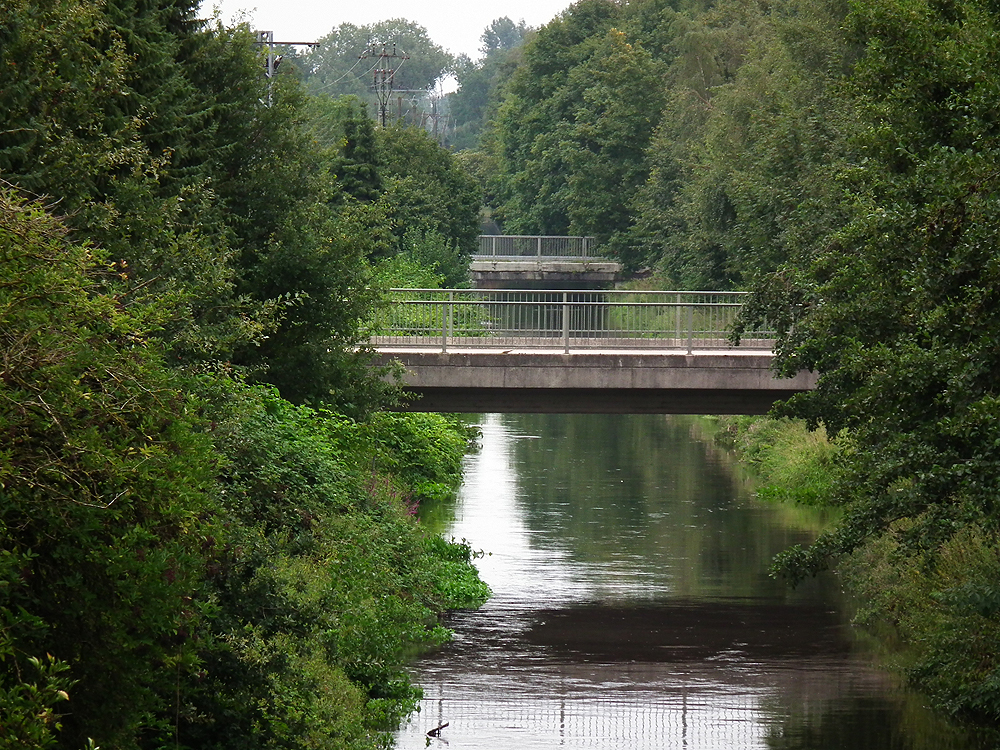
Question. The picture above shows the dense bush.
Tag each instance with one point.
(107, 473)
(221, 570)
(326, 583)
(791, 462)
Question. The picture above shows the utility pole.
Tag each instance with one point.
(384, 75)
(266, 39)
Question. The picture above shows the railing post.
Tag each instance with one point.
(539, 248)
(677, 319)
(446, 320)
(690, 308)
(493, 246)
(565, 323)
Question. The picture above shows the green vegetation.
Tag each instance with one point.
(935, 614)
(690, 137)
(205, 514)
(409, 196)
(327, 586)
(479, 81)
(790, 462)
(431, 201)
(207, 522)
(895, 308)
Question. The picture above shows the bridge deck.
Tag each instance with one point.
(661, 381)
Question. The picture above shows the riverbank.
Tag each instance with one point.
(932, 617)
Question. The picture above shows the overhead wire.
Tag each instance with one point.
(351, 70)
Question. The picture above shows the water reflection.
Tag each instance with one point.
(632, 607)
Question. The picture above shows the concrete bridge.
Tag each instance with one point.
(534, 261)
(596, 381)
(579, 352)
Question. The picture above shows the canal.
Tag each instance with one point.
(633, 609)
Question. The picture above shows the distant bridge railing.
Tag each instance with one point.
(480, 318)
(511, 246)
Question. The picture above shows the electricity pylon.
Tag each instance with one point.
(384, 75)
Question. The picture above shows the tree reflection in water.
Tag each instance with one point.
(633, 608)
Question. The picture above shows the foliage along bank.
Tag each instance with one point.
(932, 622)
(894, 306)
(206, 521)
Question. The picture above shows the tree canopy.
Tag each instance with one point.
(657, 128)
(479, 81)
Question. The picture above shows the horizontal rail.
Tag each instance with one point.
(480, 318)
(598, 295)
(589, 259)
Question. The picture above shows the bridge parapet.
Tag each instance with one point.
(520, 246)
(562, 320)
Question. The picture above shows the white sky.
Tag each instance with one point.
(455, 25)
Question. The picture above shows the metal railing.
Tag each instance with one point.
(535, 246)
(487, 318)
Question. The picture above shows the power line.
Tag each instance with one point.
(338, 80)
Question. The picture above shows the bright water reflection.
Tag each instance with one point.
(632, 608)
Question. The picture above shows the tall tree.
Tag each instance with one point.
(534, 105)
(107, 474)
(430, 202)
(345, 126)
(479, 81)
(574, 125)
(897, 311)
(104, 117)
(743, 156)
(157, 547)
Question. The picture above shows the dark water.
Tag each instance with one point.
(632, 608)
